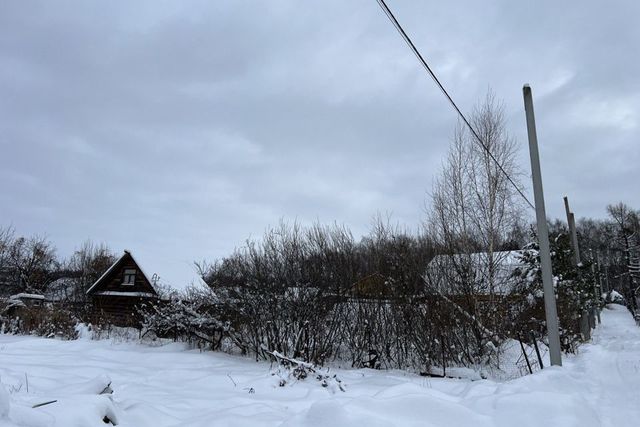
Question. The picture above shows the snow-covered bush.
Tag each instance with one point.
(289, 370)
(46, 321)
(614, 297)
(184, 321)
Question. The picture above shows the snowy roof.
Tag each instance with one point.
(505, 258)
(23, 295)
(126, 294)
(445, 269)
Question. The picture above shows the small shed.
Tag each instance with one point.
(27, 300)
(23, 305)
(120, 291)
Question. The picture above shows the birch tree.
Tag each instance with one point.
(474, 208)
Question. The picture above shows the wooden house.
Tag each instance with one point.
(120, 291)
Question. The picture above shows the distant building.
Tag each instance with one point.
(373, 286)
(482, 272)
(18, 304)
(117, 294)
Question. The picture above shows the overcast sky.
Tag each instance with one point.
(179, 129)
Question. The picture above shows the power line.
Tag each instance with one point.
(415, 51)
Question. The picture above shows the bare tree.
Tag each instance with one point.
(87, 264)
(7, 236)
(474, 211)
(474, 205)
(6, 240)
(627, 225)
(31, 262)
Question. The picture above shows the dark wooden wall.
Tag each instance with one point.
(118, 310)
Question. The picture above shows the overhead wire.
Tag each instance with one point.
(426, 66)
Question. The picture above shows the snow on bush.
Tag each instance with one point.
(184, 321)
(614, 297)
(290, 370)
(83, 331)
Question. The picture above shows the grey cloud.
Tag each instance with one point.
(179, 129)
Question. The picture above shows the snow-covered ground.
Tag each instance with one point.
(169, 386)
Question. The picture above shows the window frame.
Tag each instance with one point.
(128, 273)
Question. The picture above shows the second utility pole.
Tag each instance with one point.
(571, 222)
(543, 234)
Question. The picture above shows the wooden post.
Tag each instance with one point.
(550, 309)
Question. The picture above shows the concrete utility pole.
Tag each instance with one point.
(543, 234)
(571, 222)
(594, 313)
(597, 285)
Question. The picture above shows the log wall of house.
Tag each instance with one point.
(118, 310)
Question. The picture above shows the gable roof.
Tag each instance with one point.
(126, 256)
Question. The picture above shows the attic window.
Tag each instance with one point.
(129, 277)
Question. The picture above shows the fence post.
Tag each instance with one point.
(535, 345)
(598, 284)
(524, 353)
(444, 358)
(585, 328)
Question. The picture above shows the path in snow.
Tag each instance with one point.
(168, 386)
(610, 366)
